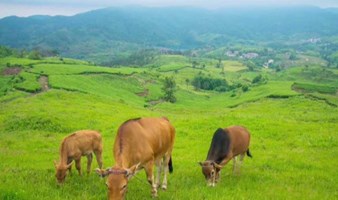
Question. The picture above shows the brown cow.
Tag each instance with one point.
(140, 143)
(226, 144)
(80, 143)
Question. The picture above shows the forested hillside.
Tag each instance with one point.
(105, 33)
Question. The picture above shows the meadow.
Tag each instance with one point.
(293, 120)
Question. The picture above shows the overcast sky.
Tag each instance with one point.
(71, 7)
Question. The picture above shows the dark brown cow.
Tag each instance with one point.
(140, 143)
(226, 144)
(80, 143)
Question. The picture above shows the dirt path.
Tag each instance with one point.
(43, 80)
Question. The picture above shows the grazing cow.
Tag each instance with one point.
(226, 144)
(80, 143)
(140, 143)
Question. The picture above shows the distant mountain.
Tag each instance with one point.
(105, 32)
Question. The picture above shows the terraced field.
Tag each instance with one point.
(294, 130)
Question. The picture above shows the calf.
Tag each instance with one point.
(80, 143)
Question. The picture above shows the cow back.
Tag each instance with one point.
(81, 143)
(240, 139)
(140, 140)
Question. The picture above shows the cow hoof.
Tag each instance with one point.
(154, 193)
(164, 187)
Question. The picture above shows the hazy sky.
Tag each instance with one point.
(71, 7)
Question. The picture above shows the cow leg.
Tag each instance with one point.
(89, 162)
(225, 161)
(98, 155)
(159, 171)
(150, 177)
(166, 169)
(78, 165)
(241, 157)
(234, 159)
(70, 167)
(218, 175)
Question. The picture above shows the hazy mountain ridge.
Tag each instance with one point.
(105, 31)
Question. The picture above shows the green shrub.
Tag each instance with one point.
(245, 88)
(34, 55)
(207, 83)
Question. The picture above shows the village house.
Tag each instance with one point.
(250, 55)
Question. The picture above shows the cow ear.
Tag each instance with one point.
(131, 171)
(102, 172)
(200, 163)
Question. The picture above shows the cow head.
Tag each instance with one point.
(117, 180)
(61, 171)
(210, 171)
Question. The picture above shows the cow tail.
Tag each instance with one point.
(248, 153)
(170, 165)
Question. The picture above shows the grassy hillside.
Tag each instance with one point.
(292, 118)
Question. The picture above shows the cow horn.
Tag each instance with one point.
(217, 165)
(70, 164)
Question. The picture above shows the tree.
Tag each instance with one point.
(34, 55)
(5, 51)
(219, 64)
(251, 66)
(222, 71)
(187, 81)
(245, 88)
(259, 79)
(278, 69)
(22, 53)
(208, 83)
(194, 64)
(169, 88)
(293, 56)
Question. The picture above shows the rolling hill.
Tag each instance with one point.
(290, 107)
(105, 33)
(292, 117)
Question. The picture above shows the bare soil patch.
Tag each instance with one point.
(144, 93)
(11, 71)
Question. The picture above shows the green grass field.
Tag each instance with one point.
(294, 139)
